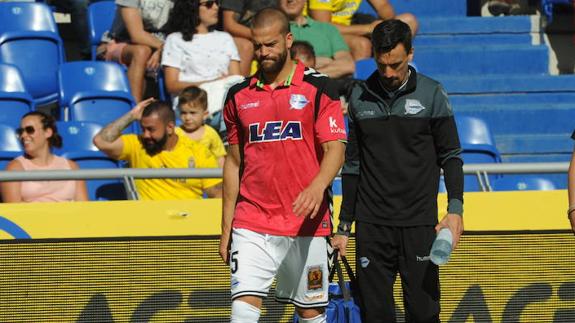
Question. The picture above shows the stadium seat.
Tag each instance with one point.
(10, 147)
(364, 68)
(99, 189)
(29, 39)
(547, 6)
(523, 183)
(100, 18)
(77, 136)
(478, 147)
(15, 101)
(94, 91)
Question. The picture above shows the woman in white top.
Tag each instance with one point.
(194, 53)
(38, 135)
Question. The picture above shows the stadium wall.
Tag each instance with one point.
(158, 262)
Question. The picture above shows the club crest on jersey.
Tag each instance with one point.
(298, 101)
(275, 131)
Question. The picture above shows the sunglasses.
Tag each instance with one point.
(209, 4)
(28, 129)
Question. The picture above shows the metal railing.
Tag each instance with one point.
(129, 175)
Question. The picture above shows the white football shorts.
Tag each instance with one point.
(300, 265)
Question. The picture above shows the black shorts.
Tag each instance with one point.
(382, 252)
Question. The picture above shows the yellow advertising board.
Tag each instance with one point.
(158, 262)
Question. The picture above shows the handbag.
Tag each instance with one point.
(341, 307)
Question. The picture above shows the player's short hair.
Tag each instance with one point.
(193, 94)
(388, 34)
(269, 16)
(163, 109)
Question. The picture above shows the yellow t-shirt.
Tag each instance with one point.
(341, 10)
(213, 142)
(186, 154)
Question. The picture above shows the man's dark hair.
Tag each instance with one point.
(269, 16)
(389, 34)
(163, 109)
(301, 46)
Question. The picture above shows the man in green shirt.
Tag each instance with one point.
(333, 57)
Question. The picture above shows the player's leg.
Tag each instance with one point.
(302, 278)
(253, 269)
(376, 263)
(419, 276)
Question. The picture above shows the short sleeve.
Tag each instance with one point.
(329, 125)
(319, 5)
(216, 145)
(205, 159)
(231, 119)
(172, 53)
(131, 144)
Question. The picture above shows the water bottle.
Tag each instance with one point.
(441, 248)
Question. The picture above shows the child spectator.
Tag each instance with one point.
(193, 108)
(303, 51)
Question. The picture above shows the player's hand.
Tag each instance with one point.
(308, 201)
(225, 248)
(139, 108)
(339, 242)
(455, 223)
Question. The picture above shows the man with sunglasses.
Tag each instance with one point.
(160, 145)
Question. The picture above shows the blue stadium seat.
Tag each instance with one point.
(364, 68)
(100, 18)
(94, 91)
(29, 39)
(77, 136)
(478, 147)
(15, 101)
(99, 189)
(10, 147)
(523, 183)
(547, 6)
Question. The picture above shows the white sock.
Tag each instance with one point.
(318, 319)
(243, 312)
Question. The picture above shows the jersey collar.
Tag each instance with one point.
(295, 77)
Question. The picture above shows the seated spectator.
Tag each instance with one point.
(38, 135)
(193, 108)
(356, 28)
(236, 16)
(333, 57)
(136, 39)
(161, 145)
(194, 53)
(303, 52)
(78, 10)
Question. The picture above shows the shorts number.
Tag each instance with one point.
(234, 262)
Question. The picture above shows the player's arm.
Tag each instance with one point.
(309, 200)
(448, 150)
(571, 191)
(108, 139)
(230, 196)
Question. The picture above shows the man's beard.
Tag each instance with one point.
(153, 146)
(277, 65)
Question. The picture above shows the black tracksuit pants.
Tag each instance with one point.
(382, 252)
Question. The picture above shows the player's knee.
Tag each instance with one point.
(321, 318)
(243, 312)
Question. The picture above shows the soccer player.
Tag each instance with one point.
(285, 130)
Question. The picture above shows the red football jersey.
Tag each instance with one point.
(280, 133)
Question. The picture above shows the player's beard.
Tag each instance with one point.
(277, 64)
(153, 146)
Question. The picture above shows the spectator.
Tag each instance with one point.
(390, 180)
(137, 39)
(38, 135)
(237, 15)
(194, 53)
(332, 54)
(78, 10)
(285, 127)
(354, 27)
(193, 108)
(161, 145)
(303, 52)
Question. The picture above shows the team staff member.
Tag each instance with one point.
(402, 132)
(161, 145)
(285, 130)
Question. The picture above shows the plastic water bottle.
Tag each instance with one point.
(441, 248)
